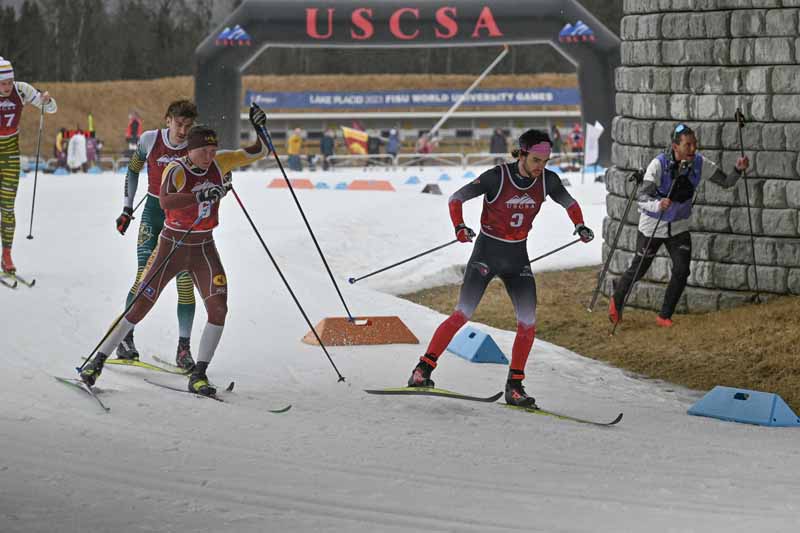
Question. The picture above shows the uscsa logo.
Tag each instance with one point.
(404, 23)
(235, 36)
(220, 280)
(521, 202)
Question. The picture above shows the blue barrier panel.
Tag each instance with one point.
(746, 406)
(476, 346)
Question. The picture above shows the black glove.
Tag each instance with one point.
(585, 234)
(227, 182)
(124, 220)
(211, 194)
(257, 117)
(464, 234)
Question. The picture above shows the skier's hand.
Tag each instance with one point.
(664, 204)
(45, 96)
(227, 181)
(124, 220)
(257, 116)
(464, 234)
(585, 234)
(742, 164)
(212, 194)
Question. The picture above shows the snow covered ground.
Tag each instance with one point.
(340, 460)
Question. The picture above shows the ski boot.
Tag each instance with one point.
(183, 357)
(127, 349)
(515, 395)
(93, 368)
(198, 382)
(421, 376)
(6, 263)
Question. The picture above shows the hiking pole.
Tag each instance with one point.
(644, 253)
(266, 137)
(740, 124)
(353, 280)
(144, 287)
(551, 252)
(36, 171)
(285, 282)
(636, 176)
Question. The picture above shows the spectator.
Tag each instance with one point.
(498, 145)
(425, 145)
(393, 145)
(374, 143)
(133, 131)
(60, 148)
(76, 152)
(294, 149)
(327, 146)
(91, 150)
(558, 143)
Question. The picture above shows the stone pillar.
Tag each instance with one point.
(696, 61)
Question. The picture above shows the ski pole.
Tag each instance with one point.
(551, 252)
(142, 288)
(638, 177)
(36, 171)
(740, 125)
(268, 139)
(137, 205)
(353, 280)
(644, 253)
(285, 282)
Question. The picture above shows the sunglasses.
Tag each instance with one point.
(679, 130)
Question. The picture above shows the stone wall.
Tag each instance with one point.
(696, 61)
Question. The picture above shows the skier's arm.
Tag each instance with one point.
(173, 184)
(232, 159)
(136, 164)
(556, 190)
(487, 183)
(648, 198)
(713, 173)
(31, 96)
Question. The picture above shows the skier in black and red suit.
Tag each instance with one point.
(512, 193)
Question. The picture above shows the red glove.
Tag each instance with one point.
(464, 234)
(124, 220)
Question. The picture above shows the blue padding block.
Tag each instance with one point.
(476, 346)
(322, 185)
(94, 170)
(444, 177)
(61, 171)
(341, 186)
(746, 406)
(469, 175)
(413, 180)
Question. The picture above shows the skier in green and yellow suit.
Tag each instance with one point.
(14, 95)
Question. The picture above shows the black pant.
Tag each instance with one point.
(680, 251)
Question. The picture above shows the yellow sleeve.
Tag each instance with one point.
(231, 159)
(176, 176)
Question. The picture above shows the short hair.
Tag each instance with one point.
(182, 108)
(531, 138)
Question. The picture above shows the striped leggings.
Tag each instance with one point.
(9, 181)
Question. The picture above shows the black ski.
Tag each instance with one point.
(562, 416)
(81, 385)
(229, 388)
(17, 278)
(429, 391)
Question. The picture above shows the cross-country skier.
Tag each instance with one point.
(512, 194)
(191, 187)
(156, 149)
(14, 95)
(684, 166)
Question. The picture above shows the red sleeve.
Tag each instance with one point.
(575, 214)
(456, 214)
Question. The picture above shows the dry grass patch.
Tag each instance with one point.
(753, 347)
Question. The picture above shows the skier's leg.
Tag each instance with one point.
(521, 289)
(680, 251)
(9, 183)
(186, 307)
(644, 256)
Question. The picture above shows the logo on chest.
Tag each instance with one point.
(521, 202)
(166, 159)
(8, 105)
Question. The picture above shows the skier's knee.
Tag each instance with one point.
(217, 311)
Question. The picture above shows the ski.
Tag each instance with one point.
(10, 285)
(174, 368)
(81, 385)
(429, 391)
(229, 388)
(16, 278)
(562, 416)
(141, 364)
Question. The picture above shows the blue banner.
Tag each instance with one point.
(416, 98)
